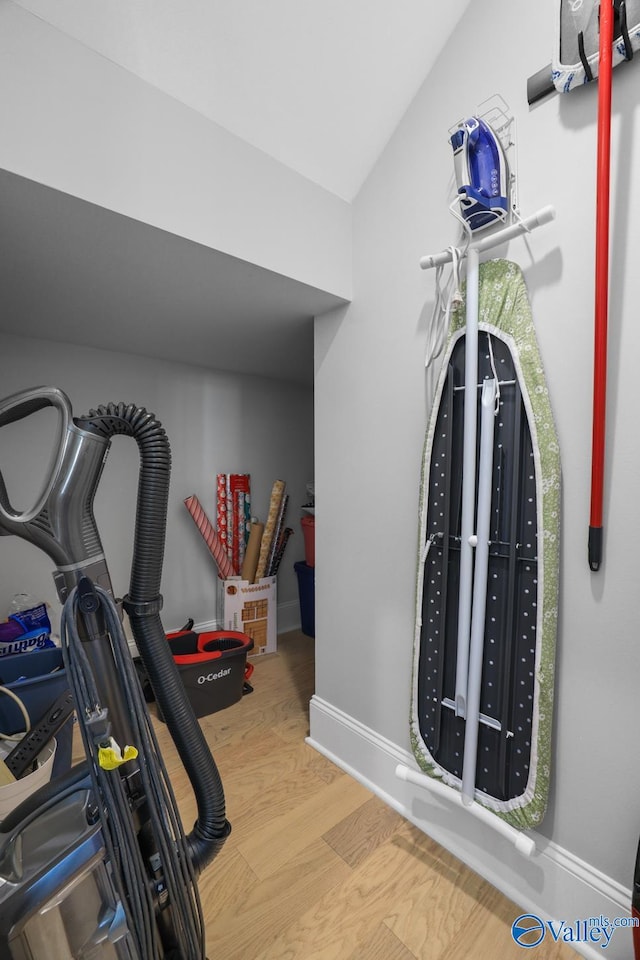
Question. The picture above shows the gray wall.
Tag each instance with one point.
(371, 413)
(216, 423)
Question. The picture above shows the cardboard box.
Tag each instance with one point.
(251, 608)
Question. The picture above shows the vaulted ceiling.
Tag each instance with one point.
(320, 87)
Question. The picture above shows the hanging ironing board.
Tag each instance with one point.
(514, 733)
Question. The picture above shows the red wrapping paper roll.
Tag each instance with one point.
(210, 537)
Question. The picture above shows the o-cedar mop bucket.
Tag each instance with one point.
(213, 667)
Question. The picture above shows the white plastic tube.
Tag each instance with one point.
(545, 215)
(523, 844)
(481, 571)
(468, 482)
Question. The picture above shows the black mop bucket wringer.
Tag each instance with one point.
(213, 667)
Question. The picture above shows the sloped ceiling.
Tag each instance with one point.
(74, 272)
(320, 86)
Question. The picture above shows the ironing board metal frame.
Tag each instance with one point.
(468, 676)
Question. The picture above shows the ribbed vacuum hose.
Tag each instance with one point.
(211, 828)
(143, 606)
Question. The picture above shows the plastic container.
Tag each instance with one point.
(38, 678)
(213, 667)
(307, 592)
(308, 524)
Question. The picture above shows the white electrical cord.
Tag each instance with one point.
(27, 720)
(448, 294)
(495, 375)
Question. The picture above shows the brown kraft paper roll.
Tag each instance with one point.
(250, 562)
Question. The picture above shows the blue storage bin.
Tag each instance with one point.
(307, 592)
(38, 678)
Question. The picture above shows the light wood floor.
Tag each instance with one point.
(317, 867)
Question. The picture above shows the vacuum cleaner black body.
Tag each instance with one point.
(95, 865)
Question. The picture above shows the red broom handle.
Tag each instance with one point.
(601, 284)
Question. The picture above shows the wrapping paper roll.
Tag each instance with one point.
(275, 541)
(229, 505)
(210, 537)
(239, 484)
(252, 552)
(275, 506)
(247, 515)
(279, 552)
(221, 510)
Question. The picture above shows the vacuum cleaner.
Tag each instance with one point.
(481, 174)
(96, 864)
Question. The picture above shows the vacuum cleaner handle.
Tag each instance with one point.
(58, 521)
(17, 407)
(23, 404)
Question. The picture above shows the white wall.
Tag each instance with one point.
(79, 123)
(287, 77)
(215, 422)
(370, 422)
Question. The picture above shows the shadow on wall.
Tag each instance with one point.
(326, 329)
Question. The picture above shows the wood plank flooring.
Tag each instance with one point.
(317, 867)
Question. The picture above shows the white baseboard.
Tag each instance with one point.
(288, 619)
(288, 616)
(554, 884)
